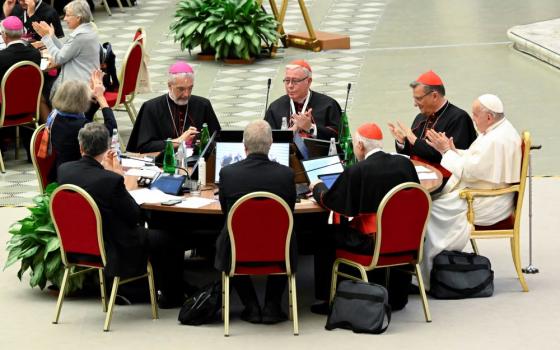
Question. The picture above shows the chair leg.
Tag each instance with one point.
(474, 246)
(152, 286)
(17, 143)
(293, 302)
(103, 292)
(517, 262)
(333, 280)
(423, 293)
(61, 293)
(2, 164)
(223, 294)
(109, 316)
(290, 305)
(226, 305)
(129, 3)
(107, 8)
(129, 110)
(120, 5)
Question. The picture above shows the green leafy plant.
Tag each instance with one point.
(231, 28)
(34, 242)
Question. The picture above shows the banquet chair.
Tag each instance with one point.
(78, 225)
(20, 96)
(42, 166)
(140, 36)
(401, 224)
(509, 227)
(128, 79)
(260, 229)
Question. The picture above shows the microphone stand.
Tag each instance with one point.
(269, 81)
(531, 269)
(347, 95)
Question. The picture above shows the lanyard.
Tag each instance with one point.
(293, 107)
(25, 14)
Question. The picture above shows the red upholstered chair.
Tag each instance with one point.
(140, 36)
(128, 79)
(401, 223)
(510, 227)
(20, 96)
(260, 229)
(42, 166)
(79, 228)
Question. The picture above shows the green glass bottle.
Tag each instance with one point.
(204, 136)
(345, 139)
(169, 161)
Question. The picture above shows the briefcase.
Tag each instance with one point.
(458, 275)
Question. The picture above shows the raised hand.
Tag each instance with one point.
(397, 132)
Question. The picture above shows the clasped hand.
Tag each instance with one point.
(302, 121)
(188, 135)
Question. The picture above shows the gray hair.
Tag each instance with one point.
(12, 34)
(306, 71)
(73, 96)
(94, 139)
(495, 115)
(257, 137)
(440, 89)
(80, 8)
(369, 144)
(172, 76)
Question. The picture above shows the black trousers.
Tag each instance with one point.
(343, 238)
(275, 286)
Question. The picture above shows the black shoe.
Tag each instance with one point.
(272, 313)
(165, 302)
(321, 308)
(252, 314)
(122, 300)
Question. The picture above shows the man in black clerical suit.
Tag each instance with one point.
(308, 113)
(177, 115)
(16, 49)
(255, 173)
(127, 243)
(436, 113)
(357, 193)
(29, 11)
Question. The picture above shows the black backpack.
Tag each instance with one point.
(202, 307)
(107, 60)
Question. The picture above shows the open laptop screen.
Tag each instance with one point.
(232, 152)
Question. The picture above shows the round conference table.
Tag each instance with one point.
(304, 206)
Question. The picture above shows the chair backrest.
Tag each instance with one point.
(525, 150)
(78, 225)
(260, 229)
(140, 36)
(129, 72)
(21, 94)
(42, 166)
(401, 223)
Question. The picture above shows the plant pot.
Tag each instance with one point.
(239, 60)
(206, 56)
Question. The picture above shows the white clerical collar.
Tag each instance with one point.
(494, 126)
(15, 42)
(372, 152)
(303, 109)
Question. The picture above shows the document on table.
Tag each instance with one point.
(145, 195)
(149, 173)
(195, 202)
(427, 176)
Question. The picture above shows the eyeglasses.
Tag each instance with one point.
(293, 81)
(419, 98)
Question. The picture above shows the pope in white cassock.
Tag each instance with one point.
(492, 161)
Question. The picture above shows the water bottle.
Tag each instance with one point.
(169, 161)
(115, 145)
(284, 123)
(202, 171)
(332, 148)
(204, 137)
(181, 156)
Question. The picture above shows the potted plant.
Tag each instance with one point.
(35, 244)
(233, 29)
(189, 24)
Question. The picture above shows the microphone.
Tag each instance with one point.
(347, 94)
(536, 146)
(269, 81)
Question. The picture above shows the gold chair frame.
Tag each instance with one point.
(514, 233)
(128, 102)
(69, 267)
(373, 265)
(3, 105)
(292, 297)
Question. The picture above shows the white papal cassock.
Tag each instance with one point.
(492, 161)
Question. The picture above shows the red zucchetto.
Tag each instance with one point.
(429, 78)
(370, 131)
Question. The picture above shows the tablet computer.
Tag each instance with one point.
(318, 166)
(329, 179)
(170, 184)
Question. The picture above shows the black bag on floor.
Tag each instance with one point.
(458, 275)
(361, 307)
(201, 308)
